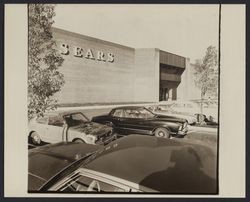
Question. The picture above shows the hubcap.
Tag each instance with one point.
(161, 134)
(36, 139)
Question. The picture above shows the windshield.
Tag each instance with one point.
(75, 119)
(146, 111)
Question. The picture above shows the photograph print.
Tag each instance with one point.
(123, 99)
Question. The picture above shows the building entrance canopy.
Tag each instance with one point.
(171, 68)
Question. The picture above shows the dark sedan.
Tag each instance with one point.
(140, 120)
(130, 164)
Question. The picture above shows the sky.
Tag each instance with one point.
(185, 30)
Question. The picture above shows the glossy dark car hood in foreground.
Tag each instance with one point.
(92, 128)
(158, 164)
(164, 165)
(47, 161)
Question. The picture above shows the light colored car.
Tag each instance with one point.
(69, 126)
(161, 110)
(191, 108)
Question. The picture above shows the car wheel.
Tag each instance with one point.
(35, 138)
(78, 140)
(162, 132)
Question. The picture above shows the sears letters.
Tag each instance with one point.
(87, 53)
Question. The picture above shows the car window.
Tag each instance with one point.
(77, 183)
(128, 113)
(42, 120)
(79, 117)
(178, 105)
(144, 113)
(138, 113)
(118, 113)
(81, 183)
(164, 107)
(75, 119)
(56, 121)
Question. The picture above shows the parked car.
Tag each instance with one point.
(140, 120)
(47, 161)
(72, 126)
(158, 109)
(134, 163)
(188, 108)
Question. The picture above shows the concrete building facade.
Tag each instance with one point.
(98, 71)
(187, 88)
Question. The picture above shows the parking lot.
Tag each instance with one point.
(185, 158)
(199, 135)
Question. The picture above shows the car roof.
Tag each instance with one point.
(160, 164)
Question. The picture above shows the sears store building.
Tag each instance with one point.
(98, 71)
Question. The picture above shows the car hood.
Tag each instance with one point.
(169, 118)
(92, 128)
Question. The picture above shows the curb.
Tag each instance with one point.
(202, 129)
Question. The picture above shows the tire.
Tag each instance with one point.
(35, 138)
(78, 140)
(162, 132)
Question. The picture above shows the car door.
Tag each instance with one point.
(132, 122)
(40, 126)
(116, 118)
(55, 129)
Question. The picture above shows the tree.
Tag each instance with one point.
(206, 74)
(44, 79)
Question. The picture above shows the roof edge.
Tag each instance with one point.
(89, 38)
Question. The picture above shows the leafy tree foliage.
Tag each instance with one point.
(206, 73)
(44, 79)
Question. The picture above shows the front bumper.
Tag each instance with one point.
(183, 131)
(106, 140)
